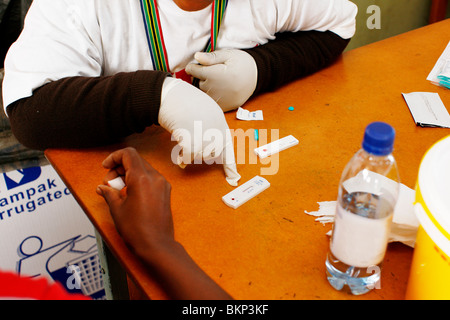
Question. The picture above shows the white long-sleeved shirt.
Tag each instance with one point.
(91, 38)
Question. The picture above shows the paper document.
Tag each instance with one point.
(427, 109)
(246, 115)
(441, 68)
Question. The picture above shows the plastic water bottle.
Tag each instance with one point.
(368, 192)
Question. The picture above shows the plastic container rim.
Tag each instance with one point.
(433, 204)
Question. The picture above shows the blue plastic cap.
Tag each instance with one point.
(379, 138)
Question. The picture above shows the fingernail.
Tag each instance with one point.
(99, 190)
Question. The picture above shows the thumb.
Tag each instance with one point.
(110, 195)
(211, 58)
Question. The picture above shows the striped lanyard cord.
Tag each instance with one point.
(155, 39)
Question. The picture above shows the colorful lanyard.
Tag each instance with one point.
(155, 37)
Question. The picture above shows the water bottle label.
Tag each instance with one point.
(359, 241)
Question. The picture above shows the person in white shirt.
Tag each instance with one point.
(82, 74)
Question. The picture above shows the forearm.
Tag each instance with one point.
(80, 112)
(180, 276)
(294, 55)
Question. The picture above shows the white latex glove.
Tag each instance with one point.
(198, 125)
(228, 76)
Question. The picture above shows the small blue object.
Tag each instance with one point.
(256, 135)
(291, 108)
(445, 83)
(379, 138)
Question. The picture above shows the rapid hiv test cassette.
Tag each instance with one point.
(245, 192)
(276, 146)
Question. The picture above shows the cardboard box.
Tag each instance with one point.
(44, 232)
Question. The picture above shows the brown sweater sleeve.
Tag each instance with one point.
(79, 112)
(294, 55)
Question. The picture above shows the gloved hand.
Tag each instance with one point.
(228, 76)
(198, 125)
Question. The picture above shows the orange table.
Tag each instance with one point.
(269, 248)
